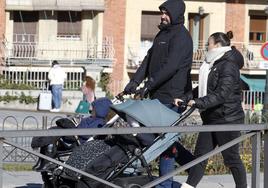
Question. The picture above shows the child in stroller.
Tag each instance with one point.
(56, 147)
(123, 155)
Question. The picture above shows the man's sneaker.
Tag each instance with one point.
(55, 110)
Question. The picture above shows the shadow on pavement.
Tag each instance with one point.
(31, 185)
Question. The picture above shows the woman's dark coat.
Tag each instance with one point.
(223, 101)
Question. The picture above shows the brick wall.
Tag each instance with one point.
(2, 19)
(235, 18)
(2, 29)
(114, 26)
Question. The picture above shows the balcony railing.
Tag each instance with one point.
(69, 50)
(37, 77)
(252, 100)
(251, 53)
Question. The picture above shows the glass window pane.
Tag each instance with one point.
(260, 36)
(251, 36)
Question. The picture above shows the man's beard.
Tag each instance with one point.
(163, 25)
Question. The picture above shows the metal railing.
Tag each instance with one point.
(27, 48)
(252, 131)
(251, 100)
(25, 38)
(250, 51)
(37, 77)
(28, 122)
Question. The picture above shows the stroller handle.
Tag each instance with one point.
(120, 96)
(184, 115)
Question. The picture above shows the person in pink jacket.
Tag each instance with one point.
(88, 89)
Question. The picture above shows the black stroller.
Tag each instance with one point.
(121, 159)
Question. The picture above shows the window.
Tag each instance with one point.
(196, 29)
(149, 25)
(69, 24)
(25, 25)
(257, 28)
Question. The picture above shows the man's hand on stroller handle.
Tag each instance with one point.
(120, 96)
(138, 93)
(131, 87)
(142, 93)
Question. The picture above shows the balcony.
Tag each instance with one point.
(68, 52)
(77, 5)
(136, 53)
(251, 53)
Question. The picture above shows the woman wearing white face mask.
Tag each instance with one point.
(218, 97)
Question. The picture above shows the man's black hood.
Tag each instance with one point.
(234, 56)
(175, 9)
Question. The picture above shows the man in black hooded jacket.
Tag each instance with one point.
(167, 64)
(167, 67)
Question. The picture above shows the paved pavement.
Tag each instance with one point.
(33, 180)
(22, 180)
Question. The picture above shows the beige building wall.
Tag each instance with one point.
(47, 26)
(9, 26)
(133, 25)
(97, 25)
(214, 21)
(58, 48)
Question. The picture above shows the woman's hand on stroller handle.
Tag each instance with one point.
(182, 103)
(191, 103)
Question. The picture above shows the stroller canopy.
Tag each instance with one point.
(148, 112)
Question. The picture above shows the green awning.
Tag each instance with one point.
(254, 83)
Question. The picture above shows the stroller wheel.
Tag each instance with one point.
(46, 180)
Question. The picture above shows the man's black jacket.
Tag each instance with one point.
(168, 63)
(223, 101)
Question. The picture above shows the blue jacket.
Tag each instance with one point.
(101, 107)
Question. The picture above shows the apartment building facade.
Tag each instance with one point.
(36, 32)
(117, 33)
(138, 26)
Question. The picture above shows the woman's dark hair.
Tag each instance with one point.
(223, 38)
